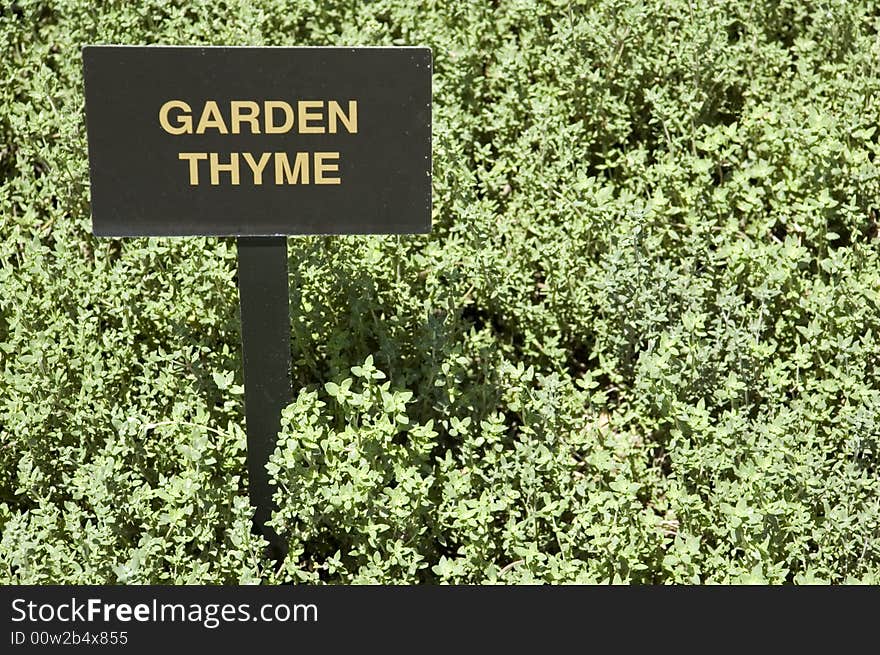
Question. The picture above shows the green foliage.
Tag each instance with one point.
(640, 344)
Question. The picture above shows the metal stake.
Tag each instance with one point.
(265, 337)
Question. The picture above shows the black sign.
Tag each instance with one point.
(258, 141)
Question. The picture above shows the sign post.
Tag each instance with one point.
(265, 343)
(258, 144)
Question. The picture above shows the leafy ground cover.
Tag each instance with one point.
(640, 345)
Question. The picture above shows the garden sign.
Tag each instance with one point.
(259, 143)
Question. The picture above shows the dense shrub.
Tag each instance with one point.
(641, 343)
